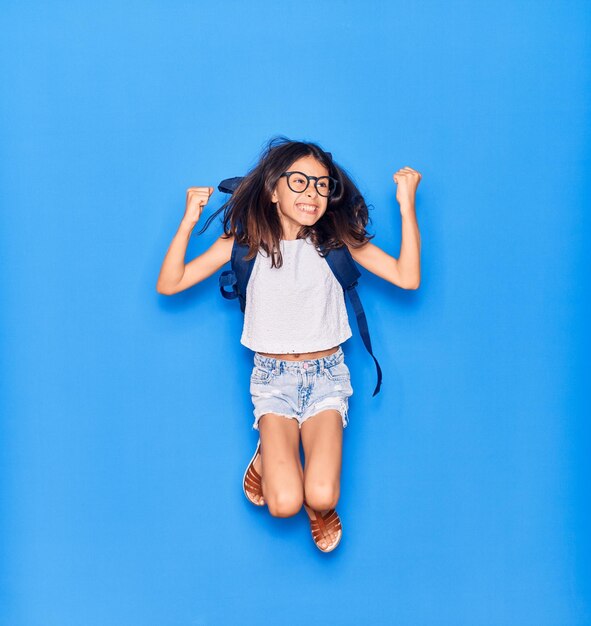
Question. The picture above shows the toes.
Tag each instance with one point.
(256, 497)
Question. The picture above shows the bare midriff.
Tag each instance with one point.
(303, 356)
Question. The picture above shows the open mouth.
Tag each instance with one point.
(307, 208)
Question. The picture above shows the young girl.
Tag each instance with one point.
(294, 200)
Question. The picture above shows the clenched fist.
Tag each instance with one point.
(407, 180)
(197, 198)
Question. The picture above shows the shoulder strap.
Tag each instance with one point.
(344, 268)
(238, 276)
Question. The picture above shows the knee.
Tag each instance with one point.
(322, 496)
(285, 503)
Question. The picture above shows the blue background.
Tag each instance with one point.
(126, 414)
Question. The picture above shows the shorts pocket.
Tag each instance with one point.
(260, 376)
(338, 372)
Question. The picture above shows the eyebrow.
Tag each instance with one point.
(302, 172)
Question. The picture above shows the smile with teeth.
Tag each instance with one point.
(307, 208)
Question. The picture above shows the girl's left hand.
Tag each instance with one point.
(407, 180)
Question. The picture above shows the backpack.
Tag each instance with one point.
(339, 260)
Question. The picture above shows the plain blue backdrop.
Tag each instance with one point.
(126, 414)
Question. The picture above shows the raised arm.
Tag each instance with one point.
(405, 271)
(174, 275)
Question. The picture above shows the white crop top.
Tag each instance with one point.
(299, 307)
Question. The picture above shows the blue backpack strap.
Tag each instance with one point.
(238, 276)
(228, 278)
(344, 268)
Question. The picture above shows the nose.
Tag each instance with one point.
(311, 191)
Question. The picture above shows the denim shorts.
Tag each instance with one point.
(300, 389)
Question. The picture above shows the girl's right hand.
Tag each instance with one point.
(197, 198)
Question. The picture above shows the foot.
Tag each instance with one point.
(326, 528)
(252, 482)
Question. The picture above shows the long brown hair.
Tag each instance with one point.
(252, 218)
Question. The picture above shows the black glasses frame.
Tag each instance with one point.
(309, 178)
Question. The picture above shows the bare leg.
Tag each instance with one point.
(280, 466)
(322, 438)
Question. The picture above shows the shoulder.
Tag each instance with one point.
(363, 252)
(220, 252)
(222, 247)
(224, 240)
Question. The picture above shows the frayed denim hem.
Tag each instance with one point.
(255, 425)
(336, 403)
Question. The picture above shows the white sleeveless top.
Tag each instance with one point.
(299, 307)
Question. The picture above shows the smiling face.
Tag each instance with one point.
(300, 209)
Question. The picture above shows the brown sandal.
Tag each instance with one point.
(252, 480)
(323, 525)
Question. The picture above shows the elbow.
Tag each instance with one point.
(414, 285)
(162, 290)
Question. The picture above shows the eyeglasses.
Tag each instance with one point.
(298, 182)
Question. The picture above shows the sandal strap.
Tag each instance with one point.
(253, 486)
(328, 519)
(252, 472)
(253, 480)
(323, 524)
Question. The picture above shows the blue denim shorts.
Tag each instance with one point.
(300, 389)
